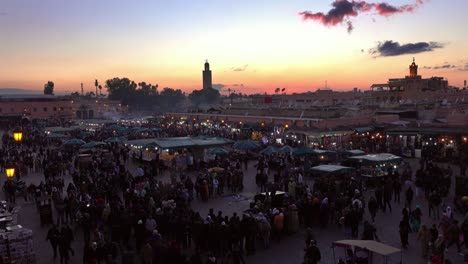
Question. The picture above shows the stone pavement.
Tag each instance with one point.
(289, 250)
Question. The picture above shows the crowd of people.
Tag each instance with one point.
(122, 212)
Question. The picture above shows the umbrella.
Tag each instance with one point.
(304, 151)
(93, 144)
(216, 169)
(269, 150)
(286, 149)
(218, 151)
(115, 139)
(74, 142)
(246, 145)
(57, 136)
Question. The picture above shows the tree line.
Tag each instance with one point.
(145, 96)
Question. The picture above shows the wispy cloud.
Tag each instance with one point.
(224, 87)
(445, 66)
(343, 10)
(392, 48)
(240, 69)
(465, 68)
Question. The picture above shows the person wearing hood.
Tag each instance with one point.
(90, 254)
(150, 225)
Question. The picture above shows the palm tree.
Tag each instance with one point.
(277, 90)
(100, 89)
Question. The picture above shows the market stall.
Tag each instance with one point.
(364, 251)
(327, 170)
(375, 165)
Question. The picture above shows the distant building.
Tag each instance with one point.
(35, 106)
(207, 81)
(412, 88)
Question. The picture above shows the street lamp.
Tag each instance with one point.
(10, 172)
(18, 135)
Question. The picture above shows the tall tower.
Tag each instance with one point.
(207, 76)
(413, 70)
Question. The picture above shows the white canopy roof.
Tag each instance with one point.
(371, 245)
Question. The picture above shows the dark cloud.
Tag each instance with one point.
(240, 69)
(343, 10)
(392, 48)
(427, 67)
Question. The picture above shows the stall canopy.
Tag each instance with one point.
(303, 151)
(374, 159)
(178, 142)
(371, 245)
(270, 150)
(363, 129)
(355, 152)
(218, 151)
(309, 151)
(50, 130)
(246, 145)
(115, 140)
(93, 144)
(331, 169)
(74, 142)
(286, 149)
(57, 136)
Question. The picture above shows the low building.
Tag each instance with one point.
(16, 107)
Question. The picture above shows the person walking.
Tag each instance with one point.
(425, 237)
(53, 236)
(312, 253)
(409, 197)
(372, 206)
(454, 236)
(404, 231)
(64, 247)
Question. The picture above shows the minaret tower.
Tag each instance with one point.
(413, 70)
(207, 76)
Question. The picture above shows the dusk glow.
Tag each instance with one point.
(259, 45)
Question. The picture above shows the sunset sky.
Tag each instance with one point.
(260, 44)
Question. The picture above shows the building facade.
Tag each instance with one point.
(410, 89)
(35, 107)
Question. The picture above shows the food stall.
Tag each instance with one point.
(374, 165)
